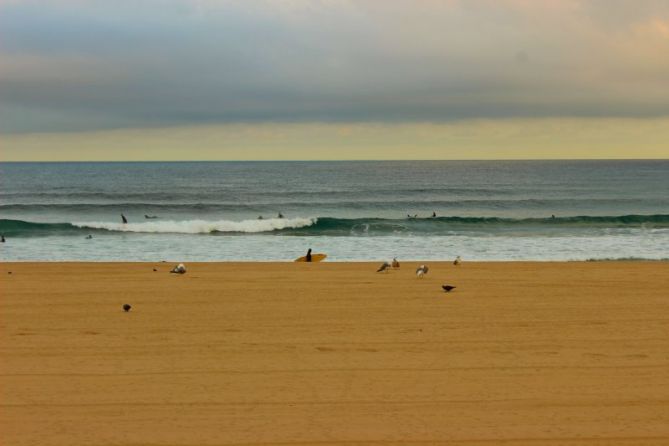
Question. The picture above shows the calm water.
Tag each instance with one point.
(486, 210)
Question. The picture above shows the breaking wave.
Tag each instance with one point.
(311, 226)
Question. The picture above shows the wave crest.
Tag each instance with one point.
(202, 226)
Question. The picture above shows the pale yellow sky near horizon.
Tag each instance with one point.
(541, 138)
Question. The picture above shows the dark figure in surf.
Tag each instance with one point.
(2, 239)
(280, 215)
(259, 217)
(434, 214)
(89, 236)
(553, 216)
(309, 255)
(150, 217)
(125, 220)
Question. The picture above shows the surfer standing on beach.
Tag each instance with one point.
(308, 256)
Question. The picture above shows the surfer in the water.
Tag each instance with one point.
(308, 256)
(2, 239)
(125, 220)
(280, 215)
(150, 217)
(434, 214)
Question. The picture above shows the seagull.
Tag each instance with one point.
(396, 264)
(421, 271)
(179, 269)
(384, 267)
(448, 288)
(457, 260)
(126, 307)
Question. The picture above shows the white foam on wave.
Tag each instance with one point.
(202, 226)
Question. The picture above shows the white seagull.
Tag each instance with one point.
(421, 271)
(179, 269)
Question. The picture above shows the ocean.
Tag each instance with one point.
(366, 210)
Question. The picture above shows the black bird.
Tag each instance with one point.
(126, 307)
(385, 266)
(448, 288)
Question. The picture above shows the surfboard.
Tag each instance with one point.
(314, 258)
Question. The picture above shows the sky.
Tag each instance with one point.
(333, 79)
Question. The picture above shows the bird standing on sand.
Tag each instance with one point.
(421, 271)
(126, 307)
(448, 288)
(457, 261)
(396, 264)
(179, 269)
(385, 266)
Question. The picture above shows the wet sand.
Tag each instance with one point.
(334, 353)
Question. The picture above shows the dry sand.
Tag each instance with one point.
(334, 354)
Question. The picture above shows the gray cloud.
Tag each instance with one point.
(71, 66)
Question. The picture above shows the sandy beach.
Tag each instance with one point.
(334, 353)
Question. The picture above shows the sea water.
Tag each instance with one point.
(370, 210)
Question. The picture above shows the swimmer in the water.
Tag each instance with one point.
(125, 220)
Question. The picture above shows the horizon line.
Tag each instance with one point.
(330, 160)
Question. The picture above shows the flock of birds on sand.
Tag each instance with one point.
(385, 267)
(420, 272)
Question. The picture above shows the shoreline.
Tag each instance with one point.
(369, 262)
(255, 353)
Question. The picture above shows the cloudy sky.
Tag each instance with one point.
(333, 79)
